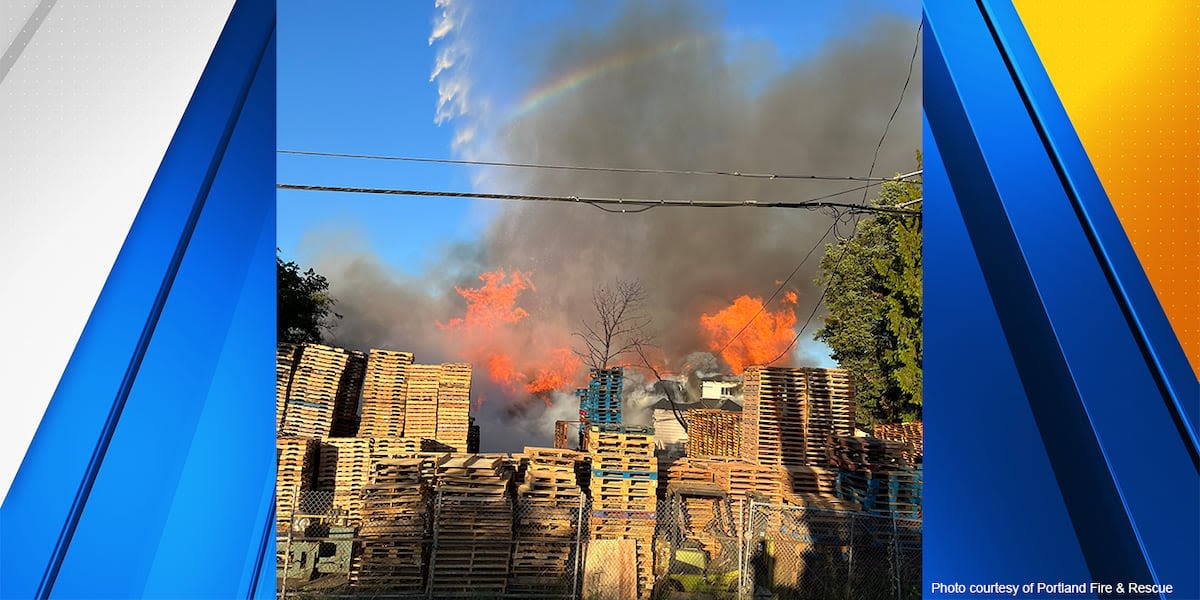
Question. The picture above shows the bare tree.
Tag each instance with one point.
(620, 325)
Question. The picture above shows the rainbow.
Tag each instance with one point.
(582, 75)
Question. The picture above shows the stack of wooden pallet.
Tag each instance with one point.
(285, 361)
(895, 492)
(474, 526)
(395, 527)
(790, 414)
(600, 401)
(313, 396)
(473, 437)
(453, 405)
(714, 432)
(623, 486)
(815, 481)
(384, 391)
(743, 480)
(297, 462)
(560, 433)
(690, 470)
(549, 503)
(345, 415)
(773, 415)
(829, 411)
(852, 453)
(345, 470)
(420, 405)
(911, 433)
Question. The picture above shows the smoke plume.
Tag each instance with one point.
(657, 87)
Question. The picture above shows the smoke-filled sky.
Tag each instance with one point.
(748, 87)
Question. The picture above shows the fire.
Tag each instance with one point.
(493, 304)
(495, 334)
(556, 373)
(765, 338)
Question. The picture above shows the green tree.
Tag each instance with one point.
(304, 306)
(873, 323)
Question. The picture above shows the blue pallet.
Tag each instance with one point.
(636, 475)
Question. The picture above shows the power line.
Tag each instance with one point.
(854, 230)
(627, 205)
(763, 307)
(911, 62)
(646, 171)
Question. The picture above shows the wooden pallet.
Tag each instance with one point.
(790, 414)
(285, 362)
(420, 412)
(871, 454)
(296, 460)
(911, 433)
(384, 392)
(714, 432)
(474, 524)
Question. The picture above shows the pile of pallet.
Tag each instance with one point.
(910, 433)
(852, 453)
(453, 405)
(395, 526)
(384, 391)
(560, 433)
(829, 411)
(345, 470)
(896, 492)
(689, 470)
(472, 436)
(714, 432)
(789, 414)
(313, 392)
(285, 361)
(814, 481)
(473, 512)
(600, 401)
(549, 503)
(420, 406)
(345, 415)
(297, 461)
(623, 487)
(743, 480)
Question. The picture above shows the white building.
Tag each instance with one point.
(669, 435)
(719, 390)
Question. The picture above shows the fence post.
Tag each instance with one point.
(746, 585)
(575, 589)
(437, 513)
(850, 562)
(896, 554)
(287, 548)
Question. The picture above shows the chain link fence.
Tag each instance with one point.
(701, 547)
(432, 547)
(793, 552)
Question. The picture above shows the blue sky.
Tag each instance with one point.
(355, 77)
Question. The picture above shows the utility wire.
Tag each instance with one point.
(763, 306)
(854, 230)
(490, 163)
(627, 205)
(899, 101)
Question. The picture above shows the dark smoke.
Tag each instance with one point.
(693, 108)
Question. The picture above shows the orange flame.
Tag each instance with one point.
(765, 338)
(494, 303)
(495, 334)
